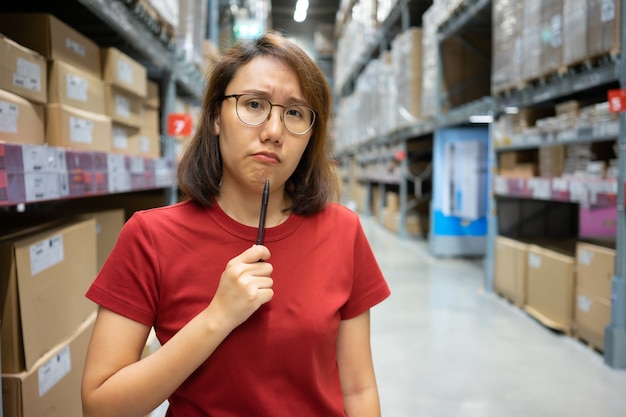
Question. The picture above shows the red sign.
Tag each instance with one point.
(179, 124)
(617, 100)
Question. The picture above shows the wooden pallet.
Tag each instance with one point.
(547, 322)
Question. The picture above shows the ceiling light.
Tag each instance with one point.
(481, 118)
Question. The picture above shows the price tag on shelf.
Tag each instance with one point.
(578, 192)
(501, 185)
(617, 100)
(540, 188)
(179, 124)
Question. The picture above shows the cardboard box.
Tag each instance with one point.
(75, 87)
(597, 222)
(123, 138)
(122, 71)
(52, 38)
(123, 107)
(20, 120)
(44, 273)
(109, 224)
(591, 316)
(52, 387)
(605, 27)
(550, 287)
(22, 71)
(510, 266)
(595, 267)
(147, 144)
(153, 97)
(70, 127)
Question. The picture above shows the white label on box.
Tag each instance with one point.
(77, 87)
(584, 303)
(607, 10)
(81, 130)
(74, 46)
(501, 185)
(45, 254)
(27, 75)
(54, 370)
(144, 144)
(585, 256)
(534, 260)
(122, 106)
(9, 113)
(120, 138)
(124, 71)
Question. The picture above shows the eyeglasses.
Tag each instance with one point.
(255, 110)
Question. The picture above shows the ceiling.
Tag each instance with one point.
(320, 12)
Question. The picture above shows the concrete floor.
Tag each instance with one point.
(444, 347)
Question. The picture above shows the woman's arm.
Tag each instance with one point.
(356, 370)
(116, 383)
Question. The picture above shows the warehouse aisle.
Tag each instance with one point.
(444, 347)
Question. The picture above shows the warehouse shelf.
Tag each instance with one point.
(469, 11)
(588, 192)
(597, 132)
(561, 85)
(463, 114)
(34, 174)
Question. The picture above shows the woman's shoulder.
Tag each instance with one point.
(339, 213)
(181, 211)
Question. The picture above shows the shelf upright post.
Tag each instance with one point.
(492, 216)
(615, 332)
(405, 21)
(168, 86)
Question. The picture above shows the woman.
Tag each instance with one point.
(247, 330)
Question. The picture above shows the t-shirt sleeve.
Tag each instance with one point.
(127, 282)
(369, 285)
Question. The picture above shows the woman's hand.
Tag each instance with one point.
(244, 286)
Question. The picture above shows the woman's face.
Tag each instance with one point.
(252, 154)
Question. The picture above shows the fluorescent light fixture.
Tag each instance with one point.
(511, 110)
(481, 118)
(299, 14)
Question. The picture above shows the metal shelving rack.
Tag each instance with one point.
(124, 25)
(609, 71)
(607, 192)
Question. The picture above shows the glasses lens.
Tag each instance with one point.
(253, 110)
(298, 119)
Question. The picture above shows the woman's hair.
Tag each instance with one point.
(313, 182)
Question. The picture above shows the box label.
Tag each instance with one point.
(584, 303)
(534, 261)
(27, 75)
(9, 113)
(81, 130)
(54, 370)
(46, 253)
(120, 138)
(585, 256)
(607, 11)
(122, 106)
(124, 71)
(76, 87)
(75, 47)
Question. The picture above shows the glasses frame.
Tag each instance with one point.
(269, 114)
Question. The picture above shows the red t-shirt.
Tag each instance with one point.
(281, 362)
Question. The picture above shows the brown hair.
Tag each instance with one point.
(313, 183)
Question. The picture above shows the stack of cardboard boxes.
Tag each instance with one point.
(46, 320)
(93, 96)
(565, 285)
(548, 37)
(59, 88)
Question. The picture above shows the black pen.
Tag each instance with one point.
(264, 200)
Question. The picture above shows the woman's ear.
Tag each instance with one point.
(216, 126)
